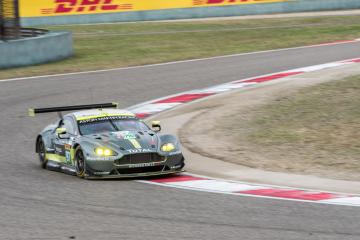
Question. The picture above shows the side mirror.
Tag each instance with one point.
(61, 131)
(155, 125)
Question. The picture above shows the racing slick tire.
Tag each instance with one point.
(42, 153)
(80, 162)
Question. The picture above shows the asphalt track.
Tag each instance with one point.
(38, 204)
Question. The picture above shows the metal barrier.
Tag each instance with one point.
(32, 32)
(9, 20)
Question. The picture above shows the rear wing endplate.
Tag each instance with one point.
(34, 111)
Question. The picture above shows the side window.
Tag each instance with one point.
(68, 124)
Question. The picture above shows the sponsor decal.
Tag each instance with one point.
(229, 2)
(130, 136)
(125, 135)
(66, 6)
(152, 164)
(141, 150)
(102, 118)
(98, 158)
(31, 8)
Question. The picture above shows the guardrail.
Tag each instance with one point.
(27, 33)
(32, 32)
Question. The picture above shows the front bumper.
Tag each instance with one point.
(135, 175)
(112, 169)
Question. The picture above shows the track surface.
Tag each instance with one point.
(38, 204)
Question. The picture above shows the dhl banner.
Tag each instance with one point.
(44, 8)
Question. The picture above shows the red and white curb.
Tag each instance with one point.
(152, 107)
(200, 183)
(206, 184)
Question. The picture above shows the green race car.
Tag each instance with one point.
(105, 142)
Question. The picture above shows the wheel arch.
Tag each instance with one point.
(76, 145)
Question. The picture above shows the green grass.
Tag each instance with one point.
(316, 128)
(324, 115)
(127, 44)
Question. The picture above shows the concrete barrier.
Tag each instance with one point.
(197, 12)
(50, 47)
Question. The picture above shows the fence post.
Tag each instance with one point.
(9, 20)
(1, 21)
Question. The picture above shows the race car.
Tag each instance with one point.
(101, 141)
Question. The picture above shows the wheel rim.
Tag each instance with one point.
(80, 163)
(42, 151)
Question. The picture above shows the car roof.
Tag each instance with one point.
(97, 113)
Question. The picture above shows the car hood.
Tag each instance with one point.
(127, 141)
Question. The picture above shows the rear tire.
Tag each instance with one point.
(42, 153)
(80, 163)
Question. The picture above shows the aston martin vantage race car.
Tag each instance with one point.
(101, 141)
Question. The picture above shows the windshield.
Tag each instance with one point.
(111, 125)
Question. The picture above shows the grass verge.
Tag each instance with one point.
(126, 44)
(315, 130)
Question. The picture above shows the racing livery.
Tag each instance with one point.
(105, 142)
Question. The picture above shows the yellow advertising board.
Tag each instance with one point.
(43, 8)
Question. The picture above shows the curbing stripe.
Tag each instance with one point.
(355, 60)
(177, 178)
(207, 184)
(352, 201)
(216, 185)
(270, 77)
(293, 194)
(166, 103)
(149, 109)
(183, 98)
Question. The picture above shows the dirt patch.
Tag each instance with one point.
(285, 126)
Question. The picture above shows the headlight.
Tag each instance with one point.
(104, 152)
(168, 147)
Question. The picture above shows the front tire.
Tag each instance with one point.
(80, 163)
(42, 153)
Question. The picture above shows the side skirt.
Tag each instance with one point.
(59, 167)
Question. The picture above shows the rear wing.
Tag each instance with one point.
(34, 111)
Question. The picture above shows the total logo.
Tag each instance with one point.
(141, 150)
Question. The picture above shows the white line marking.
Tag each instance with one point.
(177, 62)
